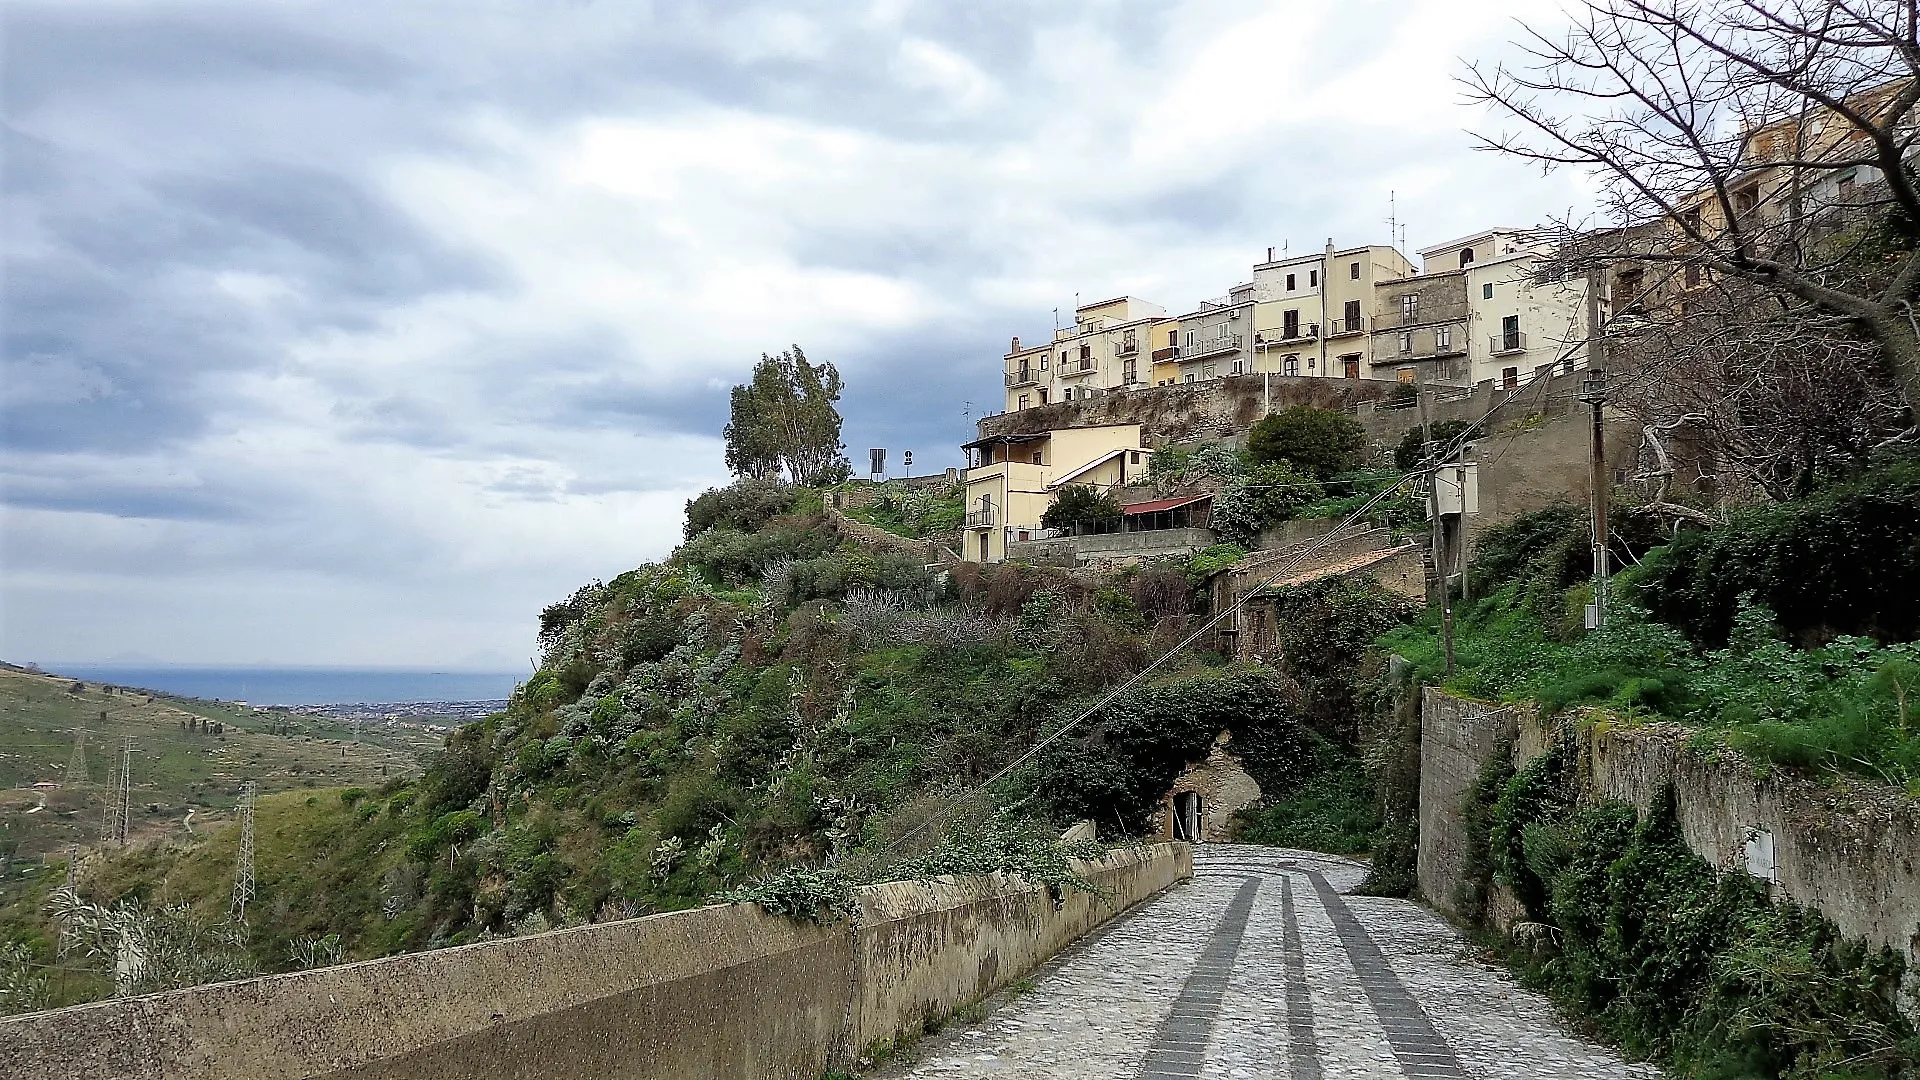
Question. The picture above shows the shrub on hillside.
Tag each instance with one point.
(1412, 449)
(1077, 503)
(1841, 562)
(1320, 442)
(744, 505)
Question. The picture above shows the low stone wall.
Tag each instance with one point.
(927, 551)
(1847, 849)
(726, 991)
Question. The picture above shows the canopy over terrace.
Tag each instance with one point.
(1181, 512)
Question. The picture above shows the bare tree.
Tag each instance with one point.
(1767, 141)
(1764, 391)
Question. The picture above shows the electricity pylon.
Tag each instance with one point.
(123, 798)
(243, 877)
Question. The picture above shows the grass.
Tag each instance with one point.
(174, 770)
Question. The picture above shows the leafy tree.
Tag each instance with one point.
(1077, 503)
(746, 505)
(1322, 442)
(784, 418)
(1413, 449)
(1261, 496)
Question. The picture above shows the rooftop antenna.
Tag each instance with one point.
(1056, 318)
(1393, 217)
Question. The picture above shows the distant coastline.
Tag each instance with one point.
(300, 686)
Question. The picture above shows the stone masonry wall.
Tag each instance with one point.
(1850, 850)
(726, 991)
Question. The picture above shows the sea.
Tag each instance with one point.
(304, 686)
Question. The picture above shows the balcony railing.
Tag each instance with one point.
(1507, 344)
(1020, 378)
(1213, 347)
(1288, 335)
(980, 519)
(1343, 327)
(1128, 347)
(1171, 352)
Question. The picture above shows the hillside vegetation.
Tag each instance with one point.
(770, 697)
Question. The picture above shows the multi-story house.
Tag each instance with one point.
(1313, 313)
(1012, 479)
(1214, 340)
(1490, 306)
(1108, 347)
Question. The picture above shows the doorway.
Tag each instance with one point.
(1186, 816)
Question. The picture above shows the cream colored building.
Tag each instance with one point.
(1014, 478)
(1108, 347)
(1486, 307)
(1313, 313)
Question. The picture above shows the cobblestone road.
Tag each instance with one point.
(1262, 967)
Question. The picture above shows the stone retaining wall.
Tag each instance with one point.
(1848, 849)
(726, 991)
(927, 551)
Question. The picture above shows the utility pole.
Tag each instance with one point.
(243, 877)
(77, 762)
(1436, 530)
(1593, 391)
(72, 889)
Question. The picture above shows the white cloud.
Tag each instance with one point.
(397, 463)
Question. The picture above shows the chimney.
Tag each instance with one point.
(1269, 252)
(1016, 344)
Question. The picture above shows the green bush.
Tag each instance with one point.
(1077, 503)
(1841, 562)
(743, 506)
(1315, 441)
(1411, 451)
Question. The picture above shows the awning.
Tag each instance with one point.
(1163, 504)
(1005, 440)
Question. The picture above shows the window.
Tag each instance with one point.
(1350, 315)
(1065, 395)
(1693, 276)
(1311, 362)
(1086, 352)
(1043, 395)
(1510, 378)
(1290, 285)
(1191, 337)
(1290, 324)
(1023, 401)
(1127, 342)
(1290, 366)
(1353, 271)
(1510, 333)
(1133, 458)
(1313, 279)
(1406, 342)
(1173, 339)
(1044, 357)
(1409, 307)
(1063, 359)
(1189, 376)
(1128, 371)
(1404, 375)
(1466, 256)
(1486, 291)
(1443, 339)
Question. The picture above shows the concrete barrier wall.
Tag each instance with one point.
(725, 991)
(1849, 850)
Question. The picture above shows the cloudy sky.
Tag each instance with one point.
(353, 332)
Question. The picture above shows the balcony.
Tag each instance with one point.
(1023, 377)
(1213, 347)
(1507, 344)
(1343, 327)
(1127, 347)
(1287, 336)
(1171, 352)
(980, 519)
